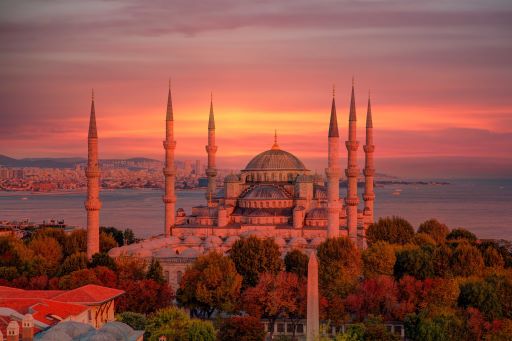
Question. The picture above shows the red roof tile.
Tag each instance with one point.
(89, 294)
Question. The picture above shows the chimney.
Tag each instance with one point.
(13, 331)
(27, 328)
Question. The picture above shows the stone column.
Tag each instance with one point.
(313, 315)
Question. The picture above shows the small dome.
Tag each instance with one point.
(144, 253)
(53, 335)
(213, 240)
(317, 241)
(231, 240)
(232, 178)
(192, 240)
(297, 241)
(317, 213)
(266, 192)
(189, 253)
(72, 328)
(280, 241)
(120, 330)
(172, 240)
(103, 336)
(275, 159)
(165, 253)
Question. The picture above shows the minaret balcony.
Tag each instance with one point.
(369, 171)
(369, 148)
(352, 172)
(211, 172)
(169, 171)
(92, 204)
(169, 199)
(368, 197)
(169, 144)
(92, 173)
(332, 172)
(352, 201)
(352, 145)
(211, 149)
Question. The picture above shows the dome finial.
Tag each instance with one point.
(275, 145)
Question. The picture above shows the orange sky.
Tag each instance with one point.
(439, 73)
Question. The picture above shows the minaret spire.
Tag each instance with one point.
(211, 149)
(275, 145)
(169, 170)
(352, 171)
(93, 203)
(369, 171)
(333, 174)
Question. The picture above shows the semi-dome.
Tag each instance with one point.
(317, 213)
(266, 192)
(275, 159)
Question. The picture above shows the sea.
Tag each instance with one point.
(482, 206)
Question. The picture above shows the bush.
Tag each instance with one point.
(135, 320)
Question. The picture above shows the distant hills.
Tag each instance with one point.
(67, 162)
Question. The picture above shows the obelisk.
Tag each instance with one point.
(313, 317)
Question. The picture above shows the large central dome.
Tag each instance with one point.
(275, 159)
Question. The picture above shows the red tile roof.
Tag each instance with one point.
(89, 294)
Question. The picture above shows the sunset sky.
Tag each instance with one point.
(440, 74)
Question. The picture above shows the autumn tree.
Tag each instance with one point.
(394, 230)
(241, 328)
(438, 231)
(423, 239)
(74, 262)
(48, 254)
(75, 242)
(210, 284)
(461, 234)
(130, 268)
(143, 296)
(253, 256)
(466, 260)
(492, 255)
(107, 242)
(114, 233)
(103, 259)
(339, 266)
(378, 259)
(274, 297)
(297, 262)
(441, 260)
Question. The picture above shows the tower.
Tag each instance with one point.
(313, 316)
(352, 171)
(333, 175)
(93, 203)
(169, 170)
(211, 149)
(369, 168)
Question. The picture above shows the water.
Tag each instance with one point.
(482, 206)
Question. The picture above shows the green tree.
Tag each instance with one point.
(238, 328)
(481, 295)
(438, 231)
(394, 230)
(416, 262)
(442, 327)
(466, 260)
(339, 266)
(461, 234)
(210, 284)
(378, 259)
(374, 329)
(155, 271)
(103, 259)
(129, 236)
(423, 239)
(297, 262)
(492, 257)
(135, 320)
(76, 261)
(200, 331)
(107, 242)
(253, 256)
(115, 233)
(441, 260)
(75, 242)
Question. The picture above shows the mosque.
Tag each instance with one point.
(274, 196)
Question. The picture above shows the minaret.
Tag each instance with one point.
(369, 168)
(352, 171)
(333, 175)
(93, 203)
(211, 149)
(169, 198)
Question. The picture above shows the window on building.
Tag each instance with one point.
(300, 328)
(289, 328)
(280, 327)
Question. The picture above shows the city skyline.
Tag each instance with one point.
(439, 76)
